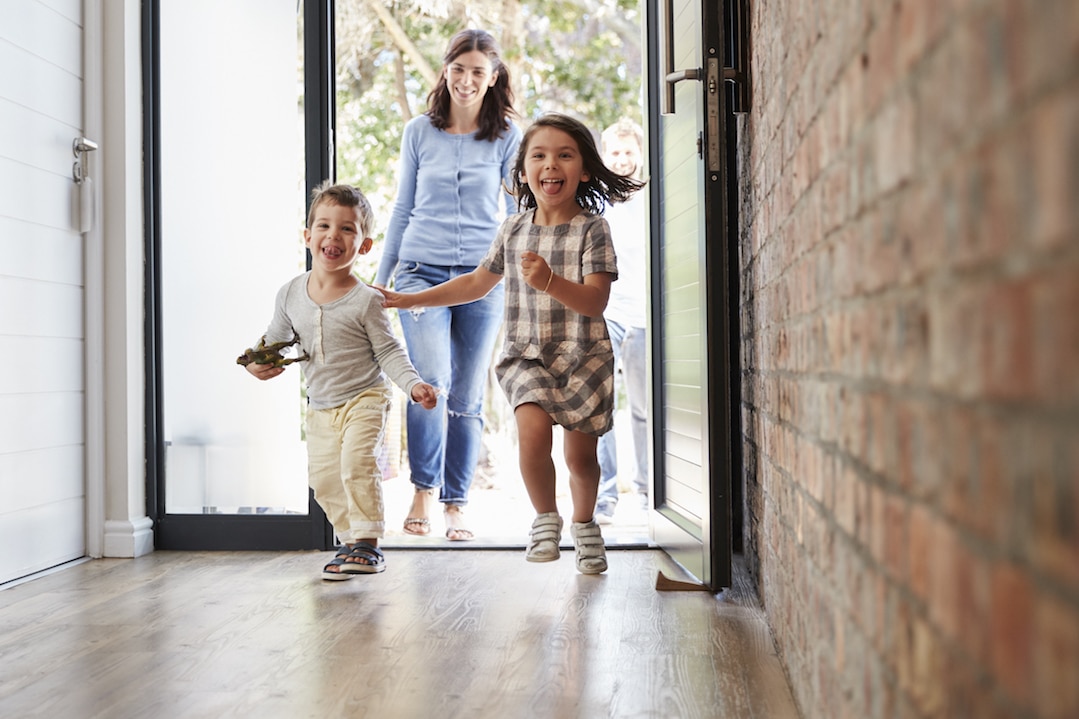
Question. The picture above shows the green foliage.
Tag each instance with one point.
(581, 57)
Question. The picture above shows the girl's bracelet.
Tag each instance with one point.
(549, 279)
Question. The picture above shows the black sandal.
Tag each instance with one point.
(339, 560)
(372, 561)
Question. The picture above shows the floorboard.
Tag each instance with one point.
(439, 634)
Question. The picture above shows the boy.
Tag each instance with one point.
(350, 350)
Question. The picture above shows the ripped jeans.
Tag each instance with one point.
(452, 348)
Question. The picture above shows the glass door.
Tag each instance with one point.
(691, 350)
(228, 203)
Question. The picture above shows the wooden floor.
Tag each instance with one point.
(439, 635)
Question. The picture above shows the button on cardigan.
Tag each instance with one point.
(450, 197)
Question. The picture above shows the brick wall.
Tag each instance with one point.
(909, 179)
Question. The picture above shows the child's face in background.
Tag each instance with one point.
(335, 237)
(553, 168)
(623, 155)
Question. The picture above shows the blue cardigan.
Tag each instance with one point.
(450, 197)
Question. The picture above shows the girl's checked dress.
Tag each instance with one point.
(552, 355)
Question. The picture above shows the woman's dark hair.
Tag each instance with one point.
(604, 185)
(497, 103)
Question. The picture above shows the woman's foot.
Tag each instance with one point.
(456, 531)
(418, 521)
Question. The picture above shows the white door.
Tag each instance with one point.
(42, 290)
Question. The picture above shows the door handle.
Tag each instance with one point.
(79, 147)
(736, 30)
(671, 77)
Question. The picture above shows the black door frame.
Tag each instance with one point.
(721, 38)
(211, 531)
(312, 531)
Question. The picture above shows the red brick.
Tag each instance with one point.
(992, 514)
(951, 337)
(920, 550)
(896, 143)
(846, 482)
(1055, 299)
(897, 538)
(863, 504)
(927, 688)
(878, 533)
(912, 21)
(1051, 473)
(1006, 341)
(1011, 631)
(900, 646)
(1050, 127)
(881, 63)
(960, 464)
(1056, 658)
(1002, 181)
(944, 607)
(973, 596)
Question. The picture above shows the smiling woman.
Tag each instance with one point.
(454, 165)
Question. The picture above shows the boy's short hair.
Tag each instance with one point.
(346, 196)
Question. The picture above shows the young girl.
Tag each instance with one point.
(557, 365)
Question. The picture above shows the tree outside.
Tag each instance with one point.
(581, 57)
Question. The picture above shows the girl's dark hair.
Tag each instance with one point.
(497, 103)
(604, 185)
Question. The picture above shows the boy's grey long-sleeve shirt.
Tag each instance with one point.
(350, 342)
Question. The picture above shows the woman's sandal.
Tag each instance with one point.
(372, 561)
(588, 540)
(420, 526)
(456, 531)
(339, 562)
(543, 541)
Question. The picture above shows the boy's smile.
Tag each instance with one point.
(334, 238)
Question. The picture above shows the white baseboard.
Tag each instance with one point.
(129, 538)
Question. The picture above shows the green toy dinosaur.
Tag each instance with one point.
(270, 353)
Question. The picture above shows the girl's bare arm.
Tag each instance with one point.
(588, 298)
(458, 291)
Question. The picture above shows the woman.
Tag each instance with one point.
(456, 161)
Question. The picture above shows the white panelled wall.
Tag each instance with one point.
(72, 452)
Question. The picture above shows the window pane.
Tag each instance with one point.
(232, 201)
